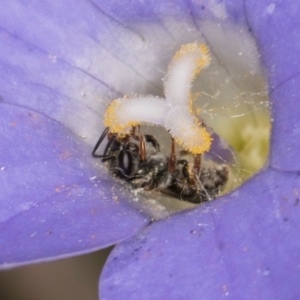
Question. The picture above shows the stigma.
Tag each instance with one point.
(175, 111)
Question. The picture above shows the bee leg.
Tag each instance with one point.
(197, 166)
(108, 153)
(172, 160)
(203, 194)
(142, 147)
(135, 133)
(103, 135)
(132, 131)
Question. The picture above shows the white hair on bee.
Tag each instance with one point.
(175, 111)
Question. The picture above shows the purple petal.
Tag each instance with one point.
(52, 203)
(46, 68)
(69, 66)
(220, 150)
(286, 126)
(276, 28)
(242, 245)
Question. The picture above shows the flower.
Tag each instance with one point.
(244, 244)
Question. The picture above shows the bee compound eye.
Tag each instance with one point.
(125, 162)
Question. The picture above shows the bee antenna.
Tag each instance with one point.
(103, 135)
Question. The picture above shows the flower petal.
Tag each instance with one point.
(286, 126)
(276, 28)
(68, 66)
(52, 203)
(245, 243)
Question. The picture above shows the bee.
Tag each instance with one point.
(136, 159)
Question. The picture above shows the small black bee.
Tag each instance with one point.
(137, 159)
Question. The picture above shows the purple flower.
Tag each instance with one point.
(59, 62)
